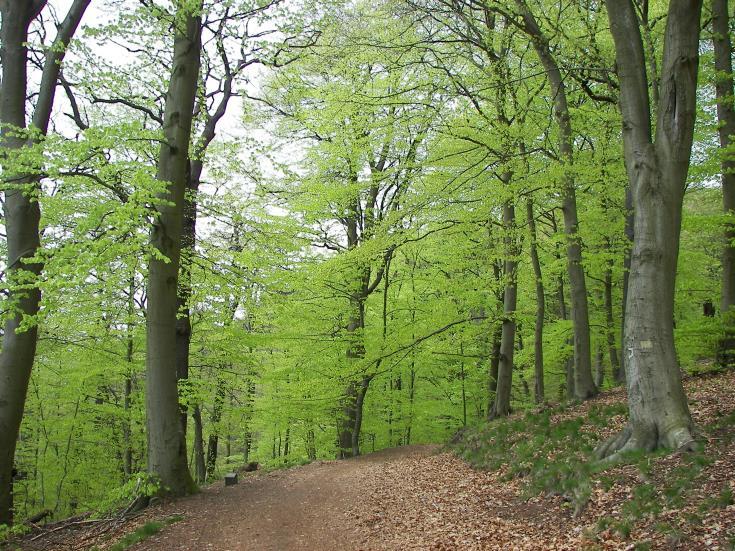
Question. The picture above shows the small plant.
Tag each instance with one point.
(693, 518)
(603, 523)
(10, 532)
(720, 501)
(553, 457)
(725, 498)
(140, 485)
(673, 535)
(644, 502)
(144, 532)
(607, 482)
(147, 530)
(623, 528)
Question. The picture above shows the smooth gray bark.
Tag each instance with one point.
(351, 419)
(599, 367)
(166, 442)
(657, 170)
(726, 130)
(127, 428)
(569, 363)
(501, 405)
(21, 211)
(626, 272)
(497, 334)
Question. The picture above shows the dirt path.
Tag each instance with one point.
(404, 498)
(311, 507)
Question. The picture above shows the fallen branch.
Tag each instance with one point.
(65, 525)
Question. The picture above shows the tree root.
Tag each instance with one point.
(678, 439)
(613, 445)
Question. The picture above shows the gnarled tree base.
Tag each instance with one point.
(647, 439)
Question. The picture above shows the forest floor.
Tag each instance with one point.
(422, 497)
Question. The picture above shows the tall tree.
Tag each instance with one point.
(538, 342)
(584, 386)
(166, 441)
(657, 166)
(726, 130)
(21, 186)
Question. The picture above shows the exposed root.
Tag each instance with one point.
(646, 439)
(613, 445)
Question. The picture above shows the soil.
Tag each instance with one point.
(305, 507)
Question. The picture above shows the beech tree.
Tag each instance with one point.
(657, 162)
(166, 440)
(726, 130)
(584, 386)
(21, 186)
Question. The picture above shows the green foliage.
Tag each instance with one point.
(144, 532)
(720, 501)
(551, 452)
(9, 533)
(673, 533)
(140, 485)
(552, 456)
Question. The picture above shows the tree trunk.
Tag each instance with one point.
(462, 378)
(127, 432)
(213, 443)
(599, 367)
(657, 171)
(310, 445)
(538, 344)
(494, 366)
(351, 419)
(166, 442)
(362, 391)
(188, 241)
(128, 389)
(350, 423)
(569, 363)
(726, 128)
(200, 468)
(612, 349)
(183, 319)
(629, 236)
(495, 351)
(351, 399)
(584, 386)
(247, 424)
(212, 451)
(501, 406)
(22, 213)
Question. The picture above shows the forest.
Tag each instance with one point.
(275, 232)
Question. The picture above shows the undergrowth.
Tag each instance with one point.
(554, 456)
(142, 533)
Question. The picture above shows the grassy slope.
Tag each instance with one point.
(660, 501)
